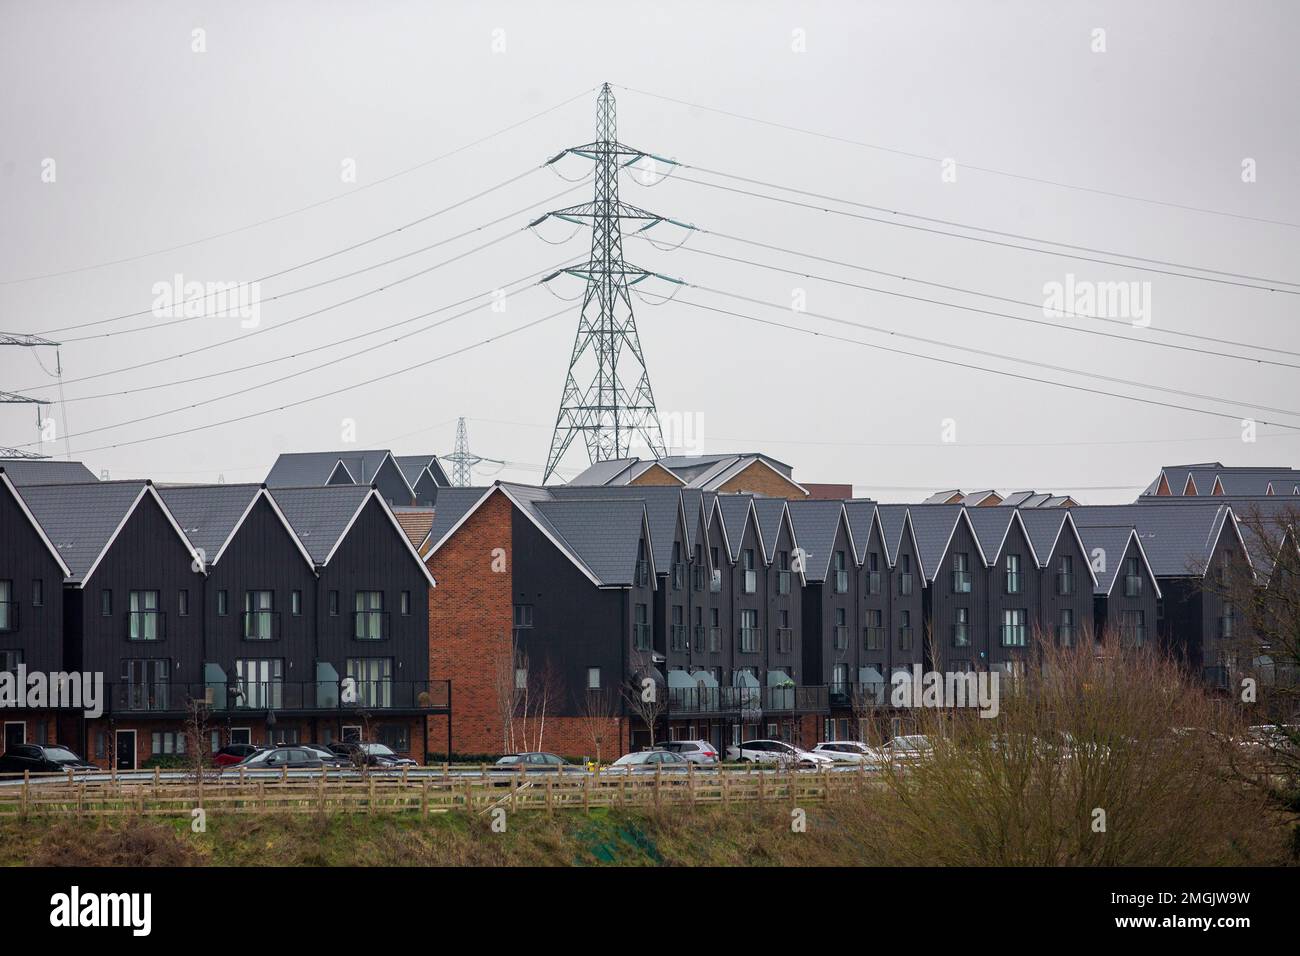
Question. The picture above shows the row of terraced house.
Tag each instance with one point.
(356, 594)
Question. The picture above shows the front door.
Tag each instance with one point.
(124, 749)
(15, 733)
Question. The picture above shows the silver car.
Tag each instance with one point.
(699, 752)
(649, 761)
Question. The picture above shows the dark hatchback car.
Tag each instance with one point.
(372, 755)
(39, 758)
(281, 758)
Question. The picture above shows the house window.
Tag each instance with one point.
(751, 575)
(679, 567)
(183, 603)
(259, 616)
(144, 622)
(593, 678)
(678, 635)
(784, 635)
(841, 635)
(715, 631)
(397, 737)
(1133, 628)
(961, 627)
(145, 684)
(841, 574)
(641, 630)
(223, 603)
(1065, 630)
(749, 631)
(9, 661)
(783, 572)
(873, 638)
(1065, 577)
(373, 679)
(1014, 627)
(523, 615)
(840, 679)
(334, 603)
(873, 573)
(168, 742)
(260, 682)
(369, 619)
(521, 678)
(8, 607)
(106, 603)
(404, 604)
(295, 603)
(1015, 583)
(905, 630)
(38, 593)
(904, 575)
(1132, 578)
(961, 580)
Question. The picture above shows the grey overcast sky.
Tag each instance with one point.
(155, 145)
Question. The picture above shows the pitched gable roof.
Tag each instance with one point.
(9, 489)
(861, 513)
(737, 511)
(321, 514)
(1176, 538)
(893, 520)
(45, 471)
(209, 514)
(604, 533)
(817, 523)
(771, 512)
(934, 526)
(663, 505)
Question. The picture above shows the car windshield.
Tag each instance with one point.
(60, 755)
(509, 759)
(628, 759)
(379, 750)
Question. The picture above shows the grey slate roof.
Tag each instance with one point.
(735, 514)
(692, 500)
(941, 497)
(1016, 498)
(413, 466)
(79, 519)
(308, 468)
(770, 513)
(860, 512)
(1113, 541)
(991, 526)
(816, 522)
(602, 472)
(663, 505)
(933, 526)
(603, 532)
(45, 471)
(1177, 540)
(452, 505)
(1043, 527)
(319, 515)
(893, 520)
(208, 513)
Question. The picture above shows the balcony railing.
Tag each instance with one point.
(783, 582)
(679, 576)
(784, 640)
(840, 637)
(1064, 583)
(1132, 585)
(642, 573)
(751, 639)
(715, 640)
(370, 626)
(961, 582)
(905, 584)
(262, 625)
(873, 582)
(258, 696)
(700, 633)
(1015, 635)
(678, 635)
(852, 694)
(146, 625)
(1015, 582)
(697, 577)
(873, 638)
(8, 616)
(841, 582)
(641, 637)
(751, 582)
(730, 700)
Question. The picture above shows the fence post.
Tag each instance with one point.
(27, 780)
(372, 795)
(424, 799)
(586, 791)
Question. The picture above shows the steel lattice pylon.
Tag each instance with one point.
(606, 411)
(463, 461)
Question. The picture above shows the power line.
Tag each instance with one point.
(338, 391)
(968, 365)
(1218, 279)
(180, 306)
(989, 312)
(309, 206)
(981, 169)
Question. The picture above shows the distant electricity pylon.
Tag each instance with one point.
(10, 398)
(462, 459)
(607, 352)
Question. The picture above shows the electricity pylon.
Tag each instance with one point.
(10, 398)
(463, 461)
(607, 351)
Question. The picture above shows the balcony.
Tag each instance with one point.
(262, 625)
(784, 640)
(783, 582)
(370, 626)
(905, 584)
(164, 697)
(751, 582)
(641, 638)
(873, 638)
(873, 582)
(853, 694)
(1015, 635)
(841, 582)
(677, 634)
(734, 700)
(840, 637)
(8, 616)
(961, 582)
(642, 573)
(146, 625)
(1132, 585)
(1064, 583)
(750, 640)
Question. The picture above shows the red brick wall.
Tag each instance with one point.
(471, 617)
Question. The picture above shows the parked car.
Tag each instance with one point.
(907, 748)
(695, 751)
(533, 761)
(281, 758)
(329, 757)
(649, 761)
(39, 758)
(372, 755)
(776, 752)
(232, 754)
(852, 752)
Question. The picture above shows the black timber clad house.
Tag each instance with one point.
(1066, 602)
(31, 610)
(208, 593)
(1126, 596)
(370, 468)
